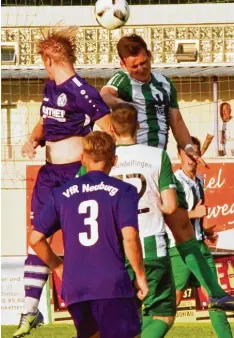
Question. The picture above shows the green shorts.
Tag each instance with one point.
(161, 299)
(183, 277)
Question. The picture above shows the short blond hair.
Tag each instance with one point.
(124, 119)
(100, 146)
(59, 45)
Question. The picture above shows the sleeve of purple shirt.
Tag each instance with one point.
(127, 209)
(90, 101)
(47, 221)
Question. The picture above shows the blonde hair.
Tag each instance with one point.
(59, 45)
(100, 146)
(124, 119)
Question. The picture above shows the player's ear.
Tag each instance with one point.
(112, 130)
(149, 54)
(122, 64)
(47, 61)
(82, 159)
(115, 160)
(138, 126)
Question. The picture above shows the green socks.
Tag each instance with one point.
(220, 324)
(153, 328)
(196, 262)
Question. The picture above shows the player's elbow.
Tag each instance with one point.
(34, 239)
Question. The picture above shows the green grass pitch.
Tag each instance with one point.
(182, 330)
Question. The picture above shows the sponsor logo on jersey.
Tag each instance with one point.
(62, 100)
(56, 114)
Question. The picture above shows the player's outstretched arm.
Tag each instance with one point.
(206, 144)
(104, 123)
(110, 96)
(179, 129)
(182, 135)
(133, 251)
(38, 243)
(36, 136)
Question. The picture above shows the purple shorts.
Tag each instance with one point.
(114, 318)
(49, 177)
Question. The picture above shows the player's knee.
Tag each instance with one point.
(169, 320)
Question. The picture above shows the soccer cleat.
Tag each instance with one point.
(27, 323)
(225, 303)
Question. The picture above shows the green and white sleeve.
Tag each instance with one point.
(166, 177)
(122, 84)
(173, 95)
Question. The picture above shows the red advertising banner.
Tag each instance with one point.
(219, 193)
(31, 175)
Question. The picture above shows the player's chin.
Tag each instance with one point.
(192, 165)
(144, 77)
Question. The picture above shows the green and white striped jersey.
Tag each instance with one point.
(193, 192)
(152, 100)
(149, 170)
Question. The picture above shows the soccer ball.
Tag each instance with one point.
(111, 14)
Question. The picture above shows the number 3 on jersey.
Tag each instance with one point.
(91, 221)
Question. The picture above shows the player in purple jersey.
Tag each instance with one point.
(69, 108)
(98, 215)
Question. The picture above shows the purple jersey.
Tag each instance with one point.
(91, 211)
(70, 109)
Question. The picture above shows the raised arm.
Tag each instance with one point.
(36, 136)
(206, 144)
(104, 123)
(179, 129)
(110, 96)
(182, 135)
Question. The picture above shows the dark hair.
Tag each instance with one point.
(124, 119)
(131, 45)
(195, 141)
(221, 108)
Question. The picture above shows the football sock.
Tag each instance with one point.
(220, 324)
(35, 276)
(153, 328)
(196, 262)
(31, 305)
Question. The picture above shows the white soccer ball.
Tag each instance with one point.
(112, 14)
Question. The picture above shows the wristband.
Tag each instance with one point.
(189, 145)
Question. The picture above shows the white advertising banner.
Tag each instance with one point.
(12, 291)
